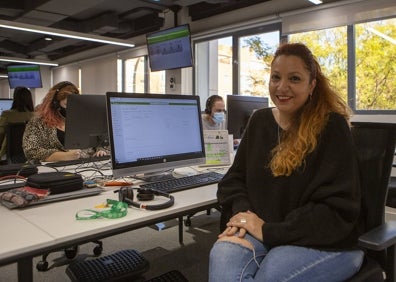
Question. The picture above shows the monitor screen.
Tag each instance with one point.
(239, 110)
(86, 121)
(154, 132)
(170, 48)
(24, 75)
(5, 104)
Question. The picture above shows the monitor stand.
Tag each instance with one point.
(156, 176)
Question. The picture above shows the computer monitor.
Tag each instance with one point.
(154, 133)
(24, 75)
(86, 121)
(170, 48)
(239, 110)
(5, 104)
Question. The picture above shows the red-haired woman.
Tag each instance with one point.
(44, 135)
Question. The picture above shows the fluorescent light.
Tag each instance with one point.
(3, 76)
(316, 2)
(64, 33)
(380, 34)
(28, 61)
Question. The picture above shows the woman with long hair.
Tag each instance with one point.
(22, 110)
(44, 135)
(291, 200)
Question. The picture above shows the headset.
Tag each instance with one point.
(210, 102)
(55, 102)
(125, 194)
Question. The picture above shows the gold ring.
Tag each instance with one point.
(243, 220)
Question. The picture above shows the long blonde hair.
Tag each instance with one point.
(301, 137)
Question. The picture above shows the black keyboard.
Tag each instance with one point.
(78, 161)
(184, 183)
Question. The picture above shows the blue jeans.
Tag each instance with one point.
(230, 262)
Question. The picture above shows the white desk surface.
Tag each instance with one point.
(58, 219)
(35, 230)
(19, 236)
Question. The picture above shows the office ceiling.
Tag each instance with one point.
(123, 19)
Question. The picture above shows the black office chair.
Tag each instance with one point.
(14, 135)
(375, 145)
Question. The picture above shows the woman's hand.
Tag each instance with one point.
(245, 222)
(100, 153)
(72, 155)
(64, 156)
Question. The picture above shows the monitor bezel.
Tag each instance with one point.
(173, 161)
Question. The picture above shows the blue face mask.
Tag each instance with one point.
(218, 117)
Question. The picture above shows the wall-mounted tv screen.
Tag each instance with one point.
(24, 75)
(170, 48)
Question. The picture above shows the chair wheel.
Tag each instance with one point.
(97, 251)
(71, 252)
(42, 266)
(187, 222)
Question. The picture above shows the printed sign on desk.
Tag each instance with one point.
(217, 147)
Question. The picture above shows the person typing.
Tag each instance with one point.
(44, 135)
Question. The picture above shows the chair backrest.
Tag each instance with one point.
(375, 145)
(14, 133)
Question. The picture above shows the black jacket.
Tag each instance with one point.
(317, 206)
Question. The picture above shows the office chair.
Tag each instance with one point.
(375, 146)
(14, 135)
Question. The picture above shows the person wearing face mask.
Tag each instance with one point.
(214, 117)
(44, 136)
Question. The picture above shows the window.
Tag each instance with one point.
(134, 75)
(235, 64)
(330, 48)
(375, 65)
(255, 55)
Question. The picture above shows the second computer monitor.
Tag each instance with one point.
(86, 121)
(5, 104)
(239, 110)
(154, 133)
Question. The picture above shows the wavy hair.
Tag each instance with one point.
(47, 110)
(301, 138)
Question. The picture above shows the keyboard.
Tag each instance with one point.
(184, 183)
(78, 161)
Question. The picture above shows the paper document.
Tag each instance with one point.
(217, 147)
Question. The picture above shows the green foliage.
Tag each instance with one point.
(375, 61)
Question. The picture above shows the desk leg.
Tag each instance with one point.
(180, 229)
(25, 270)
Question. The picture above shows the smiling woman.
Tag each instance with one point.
(295, 167)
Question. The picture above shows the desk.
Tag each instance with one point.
(52, 227)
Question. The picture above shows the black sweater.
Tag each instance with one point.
(317, 206)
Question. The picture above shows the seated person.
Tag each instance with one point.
(22, 110)
(44, 135)
(291, 200)
(214, 117)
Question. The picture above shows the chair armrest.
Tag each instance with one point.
(379, 238)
